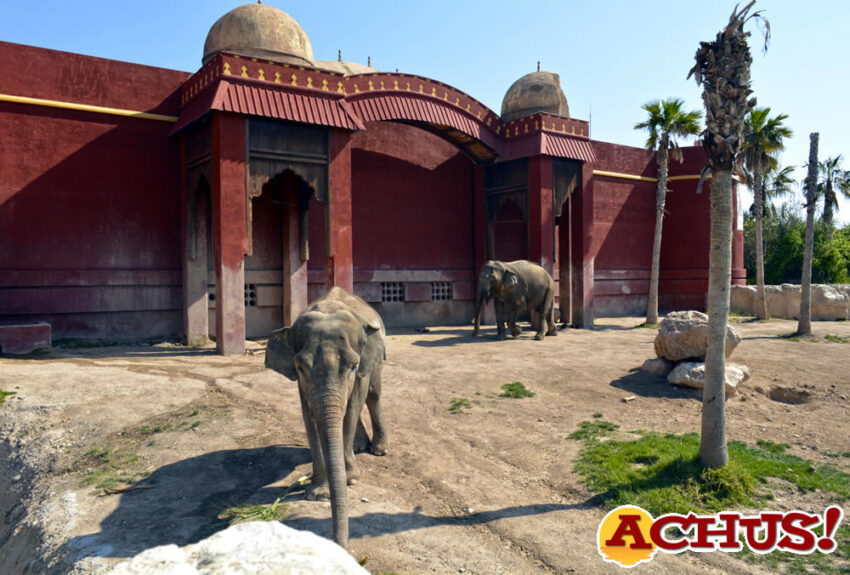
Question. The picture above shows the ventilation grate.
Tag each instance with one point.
(392, 291)
(441, 291)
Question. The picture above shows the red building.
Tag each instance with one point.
(139, 202)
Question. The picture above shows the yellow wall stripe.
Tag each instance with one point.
(623, 176)
(86, 108)
(647, 179)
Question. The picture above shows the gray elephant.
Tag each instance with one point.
(335, 350)
(516, 287)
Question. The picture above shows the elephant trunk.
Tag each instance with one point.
(332, 448)
(480, 300)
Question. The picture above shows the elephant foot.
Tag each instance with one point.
(379, 446)
(538, 336)
(474, 332)
(318, 491)
(501, 336)
(552, 332)
(515, 331)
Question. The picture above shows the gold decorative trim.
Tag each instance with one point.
(623, 176)
(86, 108)
(647, 179)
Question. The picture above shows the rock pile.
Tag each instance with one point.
(681, 344)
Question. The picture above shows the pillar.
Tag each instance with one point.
(194, 209)
(541, 219)
(229, 231)
(339, 264)
(479, 224)
(295, 294)
(582, 250)
(565, 292)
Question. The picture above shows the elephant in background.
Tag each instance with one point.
(516, 287)
(335, 351)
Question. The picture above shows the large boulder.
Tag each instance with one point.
(247, 548)
(692, 374)
(684, 335)
(829, 303)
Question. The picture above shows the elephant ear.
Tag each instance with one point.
(373, 349)
(280, 353)
(510, 281)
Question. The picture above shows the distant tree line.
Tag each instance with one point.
(784, 232)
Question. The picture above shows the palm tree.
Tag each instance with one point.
(804, 324)
(665, 124)
(723, 69)
(778, 183)
(833, 179)
(763, 136)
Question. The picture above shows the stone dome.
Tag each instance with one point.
(262, 32)
(534, 93)
(344, 68)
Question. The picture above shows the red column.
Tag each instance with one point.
(582, 250)
(541, 220)
(295, 294)
(339, 265)
(565, 295)
(480, 223)
(230, 229)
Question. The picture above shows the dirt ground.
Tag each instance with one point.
(488, 490)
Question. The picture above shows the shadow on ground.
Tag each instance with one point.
(186, 498)
(645, 384)
(377, 524)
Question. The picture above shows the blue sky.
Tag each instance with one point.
(612, 55)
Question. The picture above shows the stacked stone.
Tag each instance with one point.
(681, 344)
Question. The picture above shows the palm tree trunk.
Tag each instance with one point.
(332, 447)
(660, 197)
(713, 451)
(761, 300)
(804, 324)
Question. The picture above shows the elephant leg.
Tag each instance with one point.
(500, 319)
(540, 324)
(349, 428)
(318, 488)
(373, 402)
(361, 438)
(550, 313)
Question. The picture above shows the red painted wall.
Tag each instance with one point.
(623, 226)
(89, 203)
(412, 195)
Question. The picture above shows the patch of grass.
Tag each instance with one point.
(194, 425)
(515, 390)
(836, 455)
(836, 338)
(649, 325)
(597, 415)
(151, 429)
(5, 394)
(277, 511)
(111, 469)
(662, 473)
(459, 404)
(591, 430)
(793, 336)
(773, 447)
